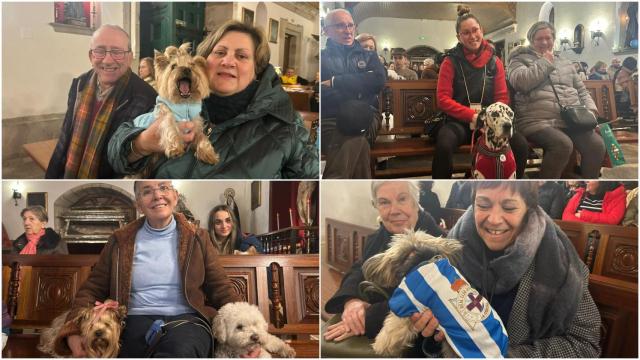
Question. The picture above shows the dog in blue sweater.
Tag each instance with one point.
(182, 85)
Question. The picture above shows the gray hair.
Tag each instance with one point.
(38, 211)
(114, 27)
(412, 185)
(328, 20)
(540, 25)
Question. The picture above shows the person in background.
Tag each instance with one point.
(532, 70)
(291, 78)
(367, 41)
(429, 71)
(401, 61)
(226, 235)
(528, 270)
(551, 198)
(622, 80)
(599, 71)
(615, 66)
(38, 239)
(429, 200)
(147, 72)
(600, 202)
(580, 71)
(99, 101)
(397, 203)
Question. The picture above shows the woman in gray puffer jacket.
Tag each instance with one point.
(537, 109)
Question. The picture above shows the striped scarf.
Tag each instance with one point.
(472, 327)
(90, 126)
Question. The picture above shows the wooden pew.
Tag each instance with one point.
(37, 288)
(611, 253)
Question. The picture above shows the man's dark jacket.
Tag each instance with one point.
(138, 98)
(357, 75)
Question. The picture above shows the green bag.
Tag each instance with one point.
(611, 144)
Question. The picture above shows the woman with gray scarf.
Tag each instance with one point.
(530, 70)
(528, 269)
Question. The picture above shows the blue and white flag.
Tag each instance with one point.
(471, 326)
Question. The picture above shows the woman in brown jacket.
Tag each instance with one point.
(163, 269)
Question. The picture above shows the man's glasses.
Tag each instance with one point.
(162, 189)
(116, 54)
(343, 26)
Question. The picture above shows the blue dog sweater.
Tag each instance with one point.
(181, 111)
(471, 326)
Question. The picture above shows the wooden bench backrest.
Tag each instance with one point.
(37, 288)
(414, 101)
(345, 243)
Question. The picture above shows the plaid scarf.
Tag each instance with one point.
(90, 125)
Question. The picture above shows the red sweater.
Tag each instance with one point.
(613, 208)
(445, 84)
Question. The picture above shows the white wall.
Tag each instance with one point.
(308, 65)
(38, 63)
(201, 197)
(407, 33)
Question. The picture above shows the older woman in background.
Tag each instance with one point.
(38, 239)
(532, 71)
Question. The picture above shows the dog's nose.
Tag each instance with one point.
(187, 71)
(255, 338)
(506, 127)
(98, 333)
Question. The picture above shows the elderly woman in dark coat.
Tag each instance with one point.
(531, 71)
(38, 239)
(522, 262)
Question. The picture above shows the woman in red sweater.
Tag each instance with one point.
(471, 77)
(598, 203)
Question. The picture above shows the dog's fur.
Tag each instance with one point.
(182, 79)
(240, 328)
(100, 331)
(496, 126)
(387, 269)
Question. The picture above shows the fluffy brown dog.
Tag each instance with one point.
(182, 85)
(100, 328)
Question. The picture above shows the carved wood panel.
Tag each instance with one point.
(345, 244)
(621, 259)
(243, 281)
(602, 93)
(307, 295)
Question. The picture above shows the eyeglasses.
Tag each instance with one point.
(343, 26)
(116, 54)
(473, 31)
(162, 189)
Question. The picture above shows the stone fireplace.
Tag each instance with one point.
(87, 215)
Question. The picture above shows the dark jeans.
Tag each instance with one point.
(348, 157)
(453, 134)
(187, 340)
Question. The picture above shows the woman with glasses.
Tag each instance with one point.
(164, 270)
(248, 117)
(532, 71)
(471, 77)
(399, 209)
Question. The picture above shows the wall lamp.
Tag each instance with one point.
(596, 36)
(16, 195)
(565, 44)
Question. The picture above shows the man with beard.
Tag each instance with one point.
(99, 101)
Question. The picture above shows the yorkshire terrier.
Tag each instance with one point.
(182, 85)
(100, 328)
(417, 266)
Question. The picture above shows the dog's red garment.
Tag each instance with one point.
(493, 164)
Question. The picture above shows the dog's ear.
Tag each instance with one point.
(219, 329)
(200, 61)
(160, 61)
(122, 312)
(481, 118)
(171, 51)
(185, 48)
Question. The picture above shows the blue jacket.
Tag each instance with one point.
(357, 75)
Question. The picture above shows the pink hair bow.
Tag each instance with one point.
(100, 308)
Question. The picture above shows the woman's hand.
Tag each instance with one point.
(148, 142)
(426, 324)
(76, 346)
(338, 332)
(354, 314)
(548, 54)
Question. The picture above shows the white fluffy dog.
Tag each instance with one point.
(240, 330)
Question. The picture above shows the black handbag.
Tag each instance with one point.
(577, 117)
(433, 124)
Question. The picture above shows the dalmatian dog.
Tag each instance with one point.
(492, 156)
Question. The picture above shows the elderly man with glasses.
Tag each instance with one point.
(351, 78)
(99, 101)
(166, 271)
